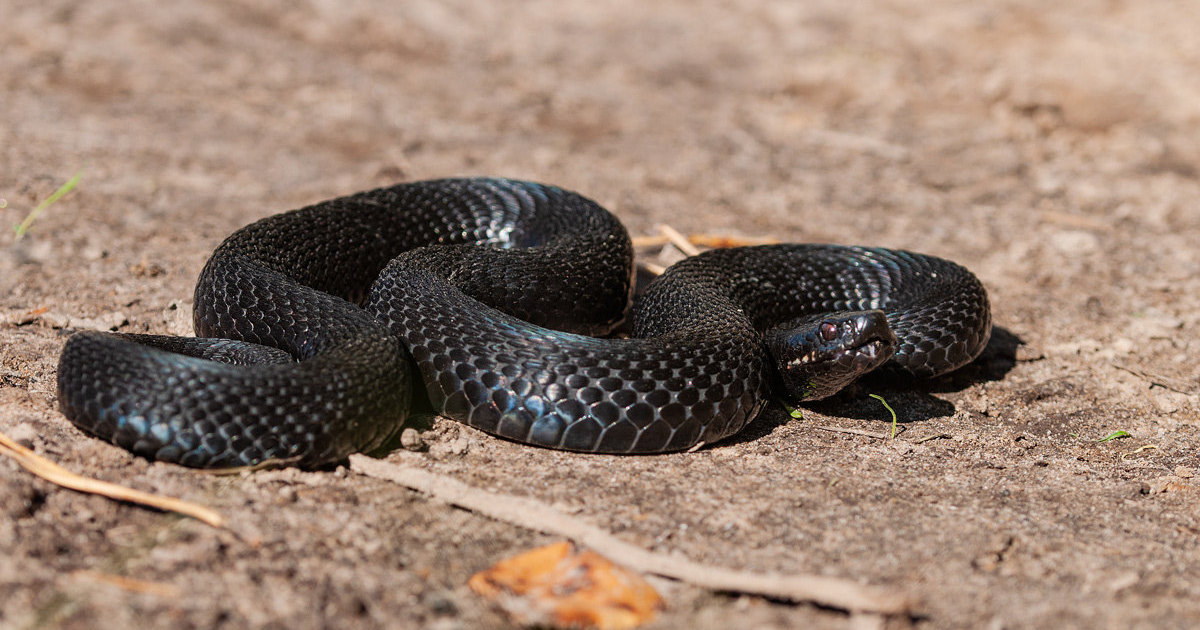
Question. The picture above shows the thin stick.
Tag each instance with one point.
(653, 240)
(877, 436)
(535, 515)
(130, 584)
(1076, 221)
(715, 241)
(657, 270)
(858, 142)
(678, 240)
(1165, 382)
(56, 474)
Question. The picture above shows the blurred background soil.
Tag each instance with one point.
(1053, 148)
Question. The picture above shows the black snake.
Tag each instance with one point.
(312, 322)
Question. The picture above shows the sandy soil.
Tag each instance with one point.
(1053, 148)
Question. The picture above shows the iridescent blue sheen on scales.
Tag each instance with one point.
(313, 320)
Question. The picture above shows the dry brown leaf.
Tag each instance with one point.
(560, 586)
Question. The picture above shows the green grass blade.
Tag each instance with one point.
(24, 225)
(1113, 436)
(890, 410)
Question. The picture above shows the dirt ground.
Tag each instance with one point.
(1053, 148)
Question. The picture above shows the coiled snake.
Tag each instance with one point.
(317, 325)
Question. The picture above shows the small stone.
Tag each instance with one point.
(288, 494)
(23, 434)
(147, 269)
(1155, 325)
(411, 440)
(21, 318)
(1048, 184)
(178, 317)
(1074, 242)
(104, 322)
(1123, 581)
(1166, 483)
(113, 320)
(54, 319)
(1183, 472)
(439, 603)
(460, 446)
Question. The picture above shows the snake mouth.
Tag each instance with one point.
(871, 352)
(875, 347)
(868, 355)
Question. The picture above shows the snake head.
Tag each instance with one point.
(818, 355)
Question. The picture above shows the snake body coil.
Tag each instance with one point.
(313, 320)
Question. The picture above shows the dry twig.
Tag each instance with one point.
(714, 241)
(653, 268)
(653, 240)
(688, 244)
(1076, 221)
(132, 585)
(535, 515)
(58, 475)
(680, 241)
(877, 436)
(1179, 386)
(935, 436)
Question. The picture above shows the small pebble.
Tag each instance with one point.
(1074, 242)
(288, 494)
(23, 434)
(460, 446)
(411, 440)
(105, 322)
(439, 603)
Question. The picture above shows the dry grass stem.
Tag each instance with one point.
(58, 475)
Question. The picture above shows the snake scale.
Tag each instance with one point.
(318, 325)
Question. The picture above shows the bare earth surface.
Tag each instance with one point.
(1053, 148)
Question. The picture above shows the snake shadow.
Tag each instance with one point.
(913, 400)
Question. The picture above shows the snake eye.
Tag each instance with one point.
(828, 331)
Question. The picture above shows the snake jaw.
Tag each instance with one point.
(871, 353)
(819, 355)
